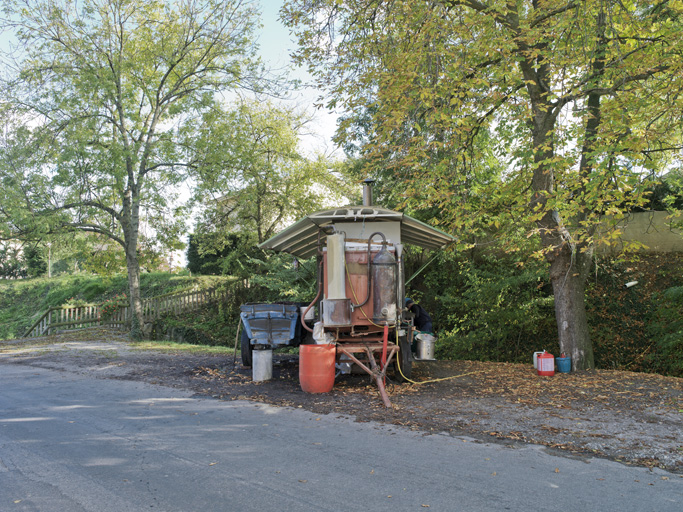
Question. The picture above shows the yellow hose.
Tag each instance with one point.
(398, 363)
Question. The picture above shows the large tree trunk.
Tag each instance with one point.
(136, 319)
(131, 226)
(568, 274)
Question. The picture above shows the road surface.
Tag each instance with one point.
(72, 442)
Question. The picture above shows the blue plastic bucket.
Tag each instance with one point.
(564, 364)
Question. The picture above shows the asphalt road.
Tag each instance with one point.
(70, 442)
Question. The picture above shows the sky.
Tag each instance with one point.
(275, 47)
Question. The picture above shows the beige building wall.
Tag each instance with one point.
(652, 229)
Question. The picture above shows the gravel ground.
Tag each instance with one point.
(629, 417)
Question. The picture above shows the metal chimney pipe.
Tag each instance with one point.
(367, 191)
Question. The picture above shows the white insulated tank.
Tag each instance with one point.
(336, 259)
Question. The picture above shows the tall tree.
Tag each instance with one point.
(12, 264)
(256, 173)
(581, 97)
(108, 84)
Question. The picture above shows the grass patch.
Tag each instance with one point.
(41, 344)
(170, 346)
(9, 348)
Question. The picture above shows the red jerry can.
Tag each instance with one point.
(546, 364)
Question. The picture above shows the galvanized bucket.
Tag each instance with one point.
(425, 346)
(262, 365)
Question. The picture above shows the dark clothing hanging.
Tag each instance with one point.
(422, 320)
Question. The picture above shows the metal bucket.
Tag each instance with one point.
(425, 346)
(262, 365)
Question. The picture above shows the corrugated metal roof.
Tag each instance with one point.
(301, 238)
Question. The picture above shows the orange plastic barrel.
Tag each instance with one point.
(316, 368)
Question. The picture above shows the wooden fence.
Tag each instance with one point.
(79, 317)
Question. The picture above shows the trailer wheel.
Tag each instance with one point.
(246, 348)
(405, 358)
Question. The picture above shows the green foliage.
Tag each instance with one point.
(207, 263)
(485, 307)
(489, 308)
(212, 325)
(234, 259)
(92, 289)
(666, 329)
(74, 302)
(12, 264)
(255, 174)
(36, 263)
(280, 277)
(666, 194)
(215, 324)
(22, 301)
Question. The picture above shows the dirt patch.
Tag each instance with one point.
(629, 417)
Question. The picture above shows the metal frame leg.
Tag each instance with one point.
(374, 370)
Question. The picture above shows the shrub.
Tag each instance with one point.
(111, 306)
(280, 277)
(491, 308)
(666, 329)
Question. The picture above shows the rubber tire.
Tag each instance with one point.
(246, 348)
(406, 360)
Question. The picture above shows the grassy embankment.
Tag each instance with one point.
(22, 301)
